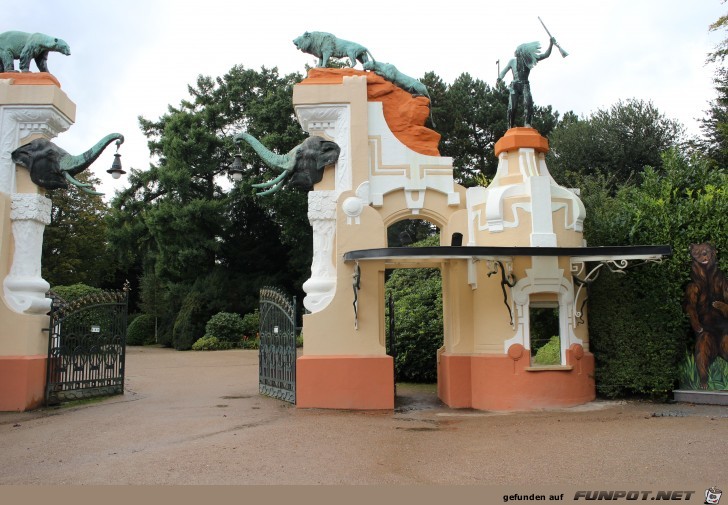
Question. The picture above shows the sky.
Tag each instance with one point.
(136, 57)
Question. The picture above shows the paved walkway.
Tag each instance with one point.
(197, 418)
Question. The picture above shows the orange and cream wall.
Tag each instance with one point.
(390, 169)
(32, 105)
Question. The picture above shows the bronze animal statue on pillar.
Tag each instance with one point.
(325, 45)
(52, 167)
(15, 45)
(393, 75)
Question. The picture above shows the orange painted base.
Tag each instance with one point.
(22, 382)
(500, 382)
(405, 114)
(519, 137)
(31, 78)
(345, 382)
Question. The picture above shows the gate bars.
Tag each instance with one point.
(87, 347)
(277, 355)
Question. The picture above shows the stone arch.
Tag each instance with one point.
(440, 214)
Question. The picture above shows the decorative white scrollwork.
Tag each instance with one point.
(617, 265)
(24, 288)
(321, 286)
(18, 123)
(333, 121)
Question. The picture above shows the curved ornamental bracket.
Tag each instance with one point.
(615, 265)
(616, 258)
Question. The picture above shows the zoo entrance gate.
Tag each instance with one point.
(277, 354)
(87, 347)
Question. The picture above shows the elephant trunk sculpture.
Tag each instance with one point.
(303, 165)
(52, 167)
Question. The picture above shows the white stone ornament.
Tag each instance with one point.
(353, 207)
(24, 288)
(321, 286)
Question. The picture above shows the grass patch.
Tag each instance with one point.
(717, 374)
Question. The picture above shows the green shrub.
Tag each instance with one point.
(141, 331)
(549, 353)
(633, 336)
(251, 324)
(89, 315)
(250, 343)
(209, 343)
(74, 291)
(226, 327)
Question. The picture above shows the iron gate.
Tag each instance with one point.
(277, 355)
(87, 347)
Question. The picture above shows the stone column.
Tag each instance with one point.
(32, 105)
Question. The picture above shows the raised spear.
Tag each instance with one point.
(564, 54)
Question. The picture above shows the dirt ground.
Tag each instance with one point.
(197, 418)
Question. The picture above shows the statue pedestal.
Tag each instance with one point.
(31, 78)
(521, 137)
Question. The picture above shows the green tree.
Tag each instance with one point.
(408, 231)
(74, 243)
(153, 299)
(714, 125)
(721, 50)
(616, 143)
(203, 248)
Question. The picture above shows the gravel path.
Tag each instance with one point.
(197, 418)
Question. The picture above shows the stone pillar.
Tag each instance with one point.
(31, 105)
(332, 121)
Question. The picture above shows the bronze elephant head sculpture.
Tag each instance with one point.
(302, 167)
(52, 167)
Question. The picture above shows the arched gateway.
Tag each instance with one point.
(522, 251)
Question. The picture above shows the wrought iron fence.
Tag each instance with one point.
(87, 347)
(277, 354)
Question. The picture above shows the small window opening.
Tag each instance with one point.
(545, 337)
